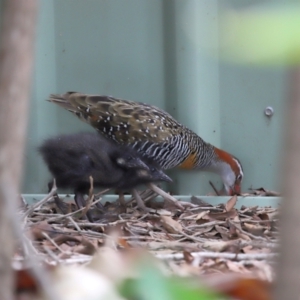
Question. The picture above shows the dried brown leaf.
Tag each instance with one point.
(64, 238)
(211, 234)
(264, 192)
(243, 235)
(188, 257)
(65, 247)
(200, 202)
(232, 248)
(205, 229)
(239, 286)
(202, 215)
(251, 249)
(254, 229)
(24, 281)
(170, 225)
(40, 227)
(223, 215)
(230, 204)
(85, 247)
(273, 215)
(263, 216)
(236, 267)
(204, 220)
(216, 246)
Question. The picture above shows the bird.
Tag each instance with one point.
(73, 158)
(153, 133)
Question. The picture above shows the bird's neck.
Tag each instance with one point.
(223, 164)
(225, 157)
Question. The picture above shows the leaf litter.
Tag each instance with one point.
(201, 240)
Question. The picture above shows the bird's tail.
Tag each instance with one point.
(63, 101)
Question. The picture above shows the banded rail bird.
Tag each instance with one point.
(154, 133)
(73, 158)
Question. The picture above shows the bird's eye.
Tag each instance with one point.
(120, 161)
(152, 169)
(129, 158)
(239, 177)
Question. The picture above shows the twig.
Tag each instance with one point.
(255, 237)
(257, 256)
(205, 208)
(165, 195)
(102, 192)
(75, 224)
(51, 254)
(140, 202)
(34, 206)
(72, 213)
(90, 198)
(192, 238)
(214, 188)
(208, 224)
(54, 243)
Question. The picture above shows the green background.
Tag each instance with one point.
(162, 52)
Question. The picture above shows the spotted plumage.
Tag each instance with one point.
(154, 133)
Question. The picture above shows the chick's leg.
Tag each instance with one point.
(139, 201)
(80, 202)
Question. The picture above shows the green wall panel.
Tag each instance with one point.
(157, 52)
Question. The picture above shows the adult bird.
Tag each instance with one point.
(153, 133)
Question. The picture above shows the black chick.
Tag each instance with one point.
(73, 158)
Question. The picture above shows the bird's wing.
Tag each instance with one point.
(125, 121)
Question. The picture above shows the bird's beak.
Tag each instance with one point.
(235, 190)
(163, 177)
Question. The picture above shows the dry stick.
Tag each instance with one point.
(74, 223)
(102, 192)
(208, 224)
(248, 233)
(214, 188)
(257, 256)
(53, 243)
(58, 217)
(140, 202)
(99, 225)
(165, 195)
(288, 269)
(51, 254)
(144, 195)
(90, 198)
(34, 206)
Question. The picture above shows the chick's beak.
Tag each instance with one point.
(164, 177)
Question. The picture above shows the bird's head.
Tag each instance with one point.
(230, 170)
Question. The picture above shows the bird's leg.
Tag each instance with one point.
(140, 202)
(58, 202)
(99, 205)
(80, 202)
(165, 195)
(122, 199)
